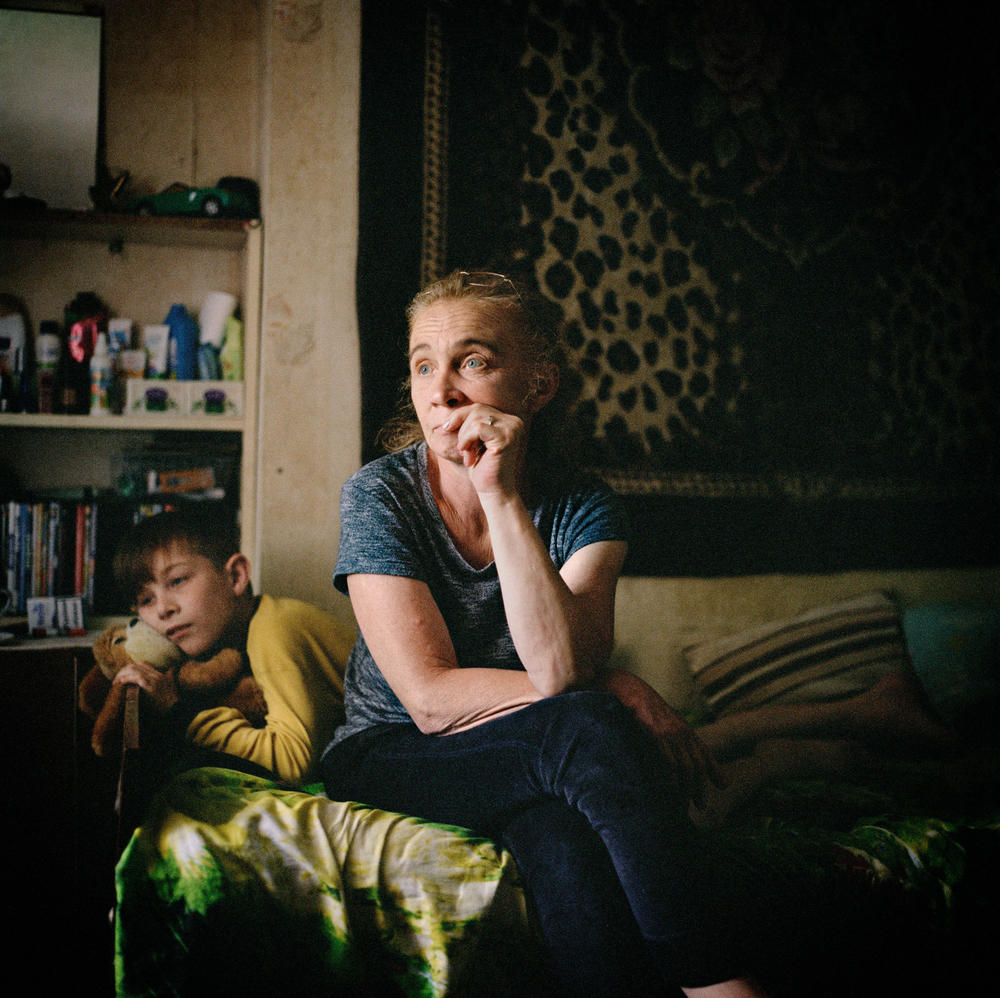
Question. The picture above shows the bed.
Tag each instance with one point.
(233, 884)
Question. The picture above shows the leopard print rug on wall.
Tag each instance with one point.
(762, 225)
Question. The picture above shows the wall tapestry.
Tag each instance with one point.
(770, 230)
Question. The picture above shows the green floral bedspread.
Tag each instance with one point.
(233, 886)
(877, 837)
(903, 878)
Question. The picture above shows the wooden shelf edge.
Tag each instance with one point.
(110, 227)
(44, 421)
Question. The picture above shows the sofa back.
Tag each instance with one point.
(656, 618)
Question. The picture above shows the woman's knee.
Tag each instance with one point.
(600, 718)
(588, 706)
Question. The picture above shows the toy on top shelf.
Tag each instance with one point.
(233, 197)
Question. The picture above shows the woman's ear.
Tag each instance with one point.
(238, 572)
(546, 385)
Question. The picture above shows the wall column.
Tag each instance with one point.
(309, 440)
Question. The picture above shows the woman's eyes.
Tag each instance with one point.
(475, 364)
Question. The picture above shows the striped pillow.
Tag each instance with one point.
(823, 654)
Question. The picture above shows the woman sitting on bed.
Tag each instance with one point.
(482, 572)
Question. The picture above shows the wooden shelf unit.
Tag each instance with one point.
(139, 266)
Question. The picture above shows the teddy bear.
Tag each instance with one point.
(223, 680)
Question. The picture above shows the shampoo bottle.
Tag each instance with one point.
(47, 348)
(183, 343)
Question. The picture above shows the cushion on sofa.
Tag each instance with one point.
(824, 653)
(955, 650)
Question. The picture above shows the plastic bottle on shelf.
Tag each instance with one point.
(183, 343)
(85, 316)
(119, 341)
(13, 357)
(100, 377)
(64, 395)
(9, 390)
(232, 350)
(48, 345)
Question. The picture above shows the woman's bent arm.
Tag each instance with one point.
(562, 622)
(562, 626)
(408, 639)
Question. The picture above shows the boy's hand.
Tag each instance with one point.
(161, 687)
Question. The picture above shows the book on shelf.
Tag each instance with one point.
(48, 549)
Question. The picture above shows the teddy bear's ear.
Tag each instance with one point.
(109, 650)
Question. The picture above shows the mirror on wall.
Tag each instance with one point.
(50, 94)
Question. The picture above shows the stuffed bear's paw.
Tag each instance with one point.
(248, 699)
(215, 675)
(106, 738)
(93, 691)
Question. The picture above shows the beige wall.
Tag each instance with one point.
(310, 383)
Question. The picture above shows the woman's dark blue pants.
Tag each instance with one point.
(585, 802)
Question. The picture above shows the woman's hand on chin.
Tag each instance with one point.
(492, 444)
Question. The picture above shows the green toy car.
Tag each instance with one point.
(232, 197)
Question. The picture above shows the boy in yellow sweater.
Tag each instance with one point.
(188, 580)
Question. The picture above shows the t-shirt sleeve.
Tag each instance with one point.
(588, 513)
(377, 535)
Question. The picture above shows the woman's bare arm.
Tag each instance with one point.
(409, 641)
(562, 622)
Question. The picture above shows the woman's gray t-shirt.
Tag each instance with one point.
(390, 525)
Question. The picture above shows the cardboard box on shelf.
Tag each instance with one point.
(155, 397)
(215, 398)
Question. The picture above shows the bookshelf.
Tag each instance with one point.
(138, 266)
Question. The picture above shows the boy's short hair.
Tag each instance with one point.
(211, 534)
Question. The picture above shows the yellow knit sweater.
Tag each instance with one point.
(297, 654)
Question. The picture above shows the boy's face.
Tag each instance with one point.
(191, 601)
